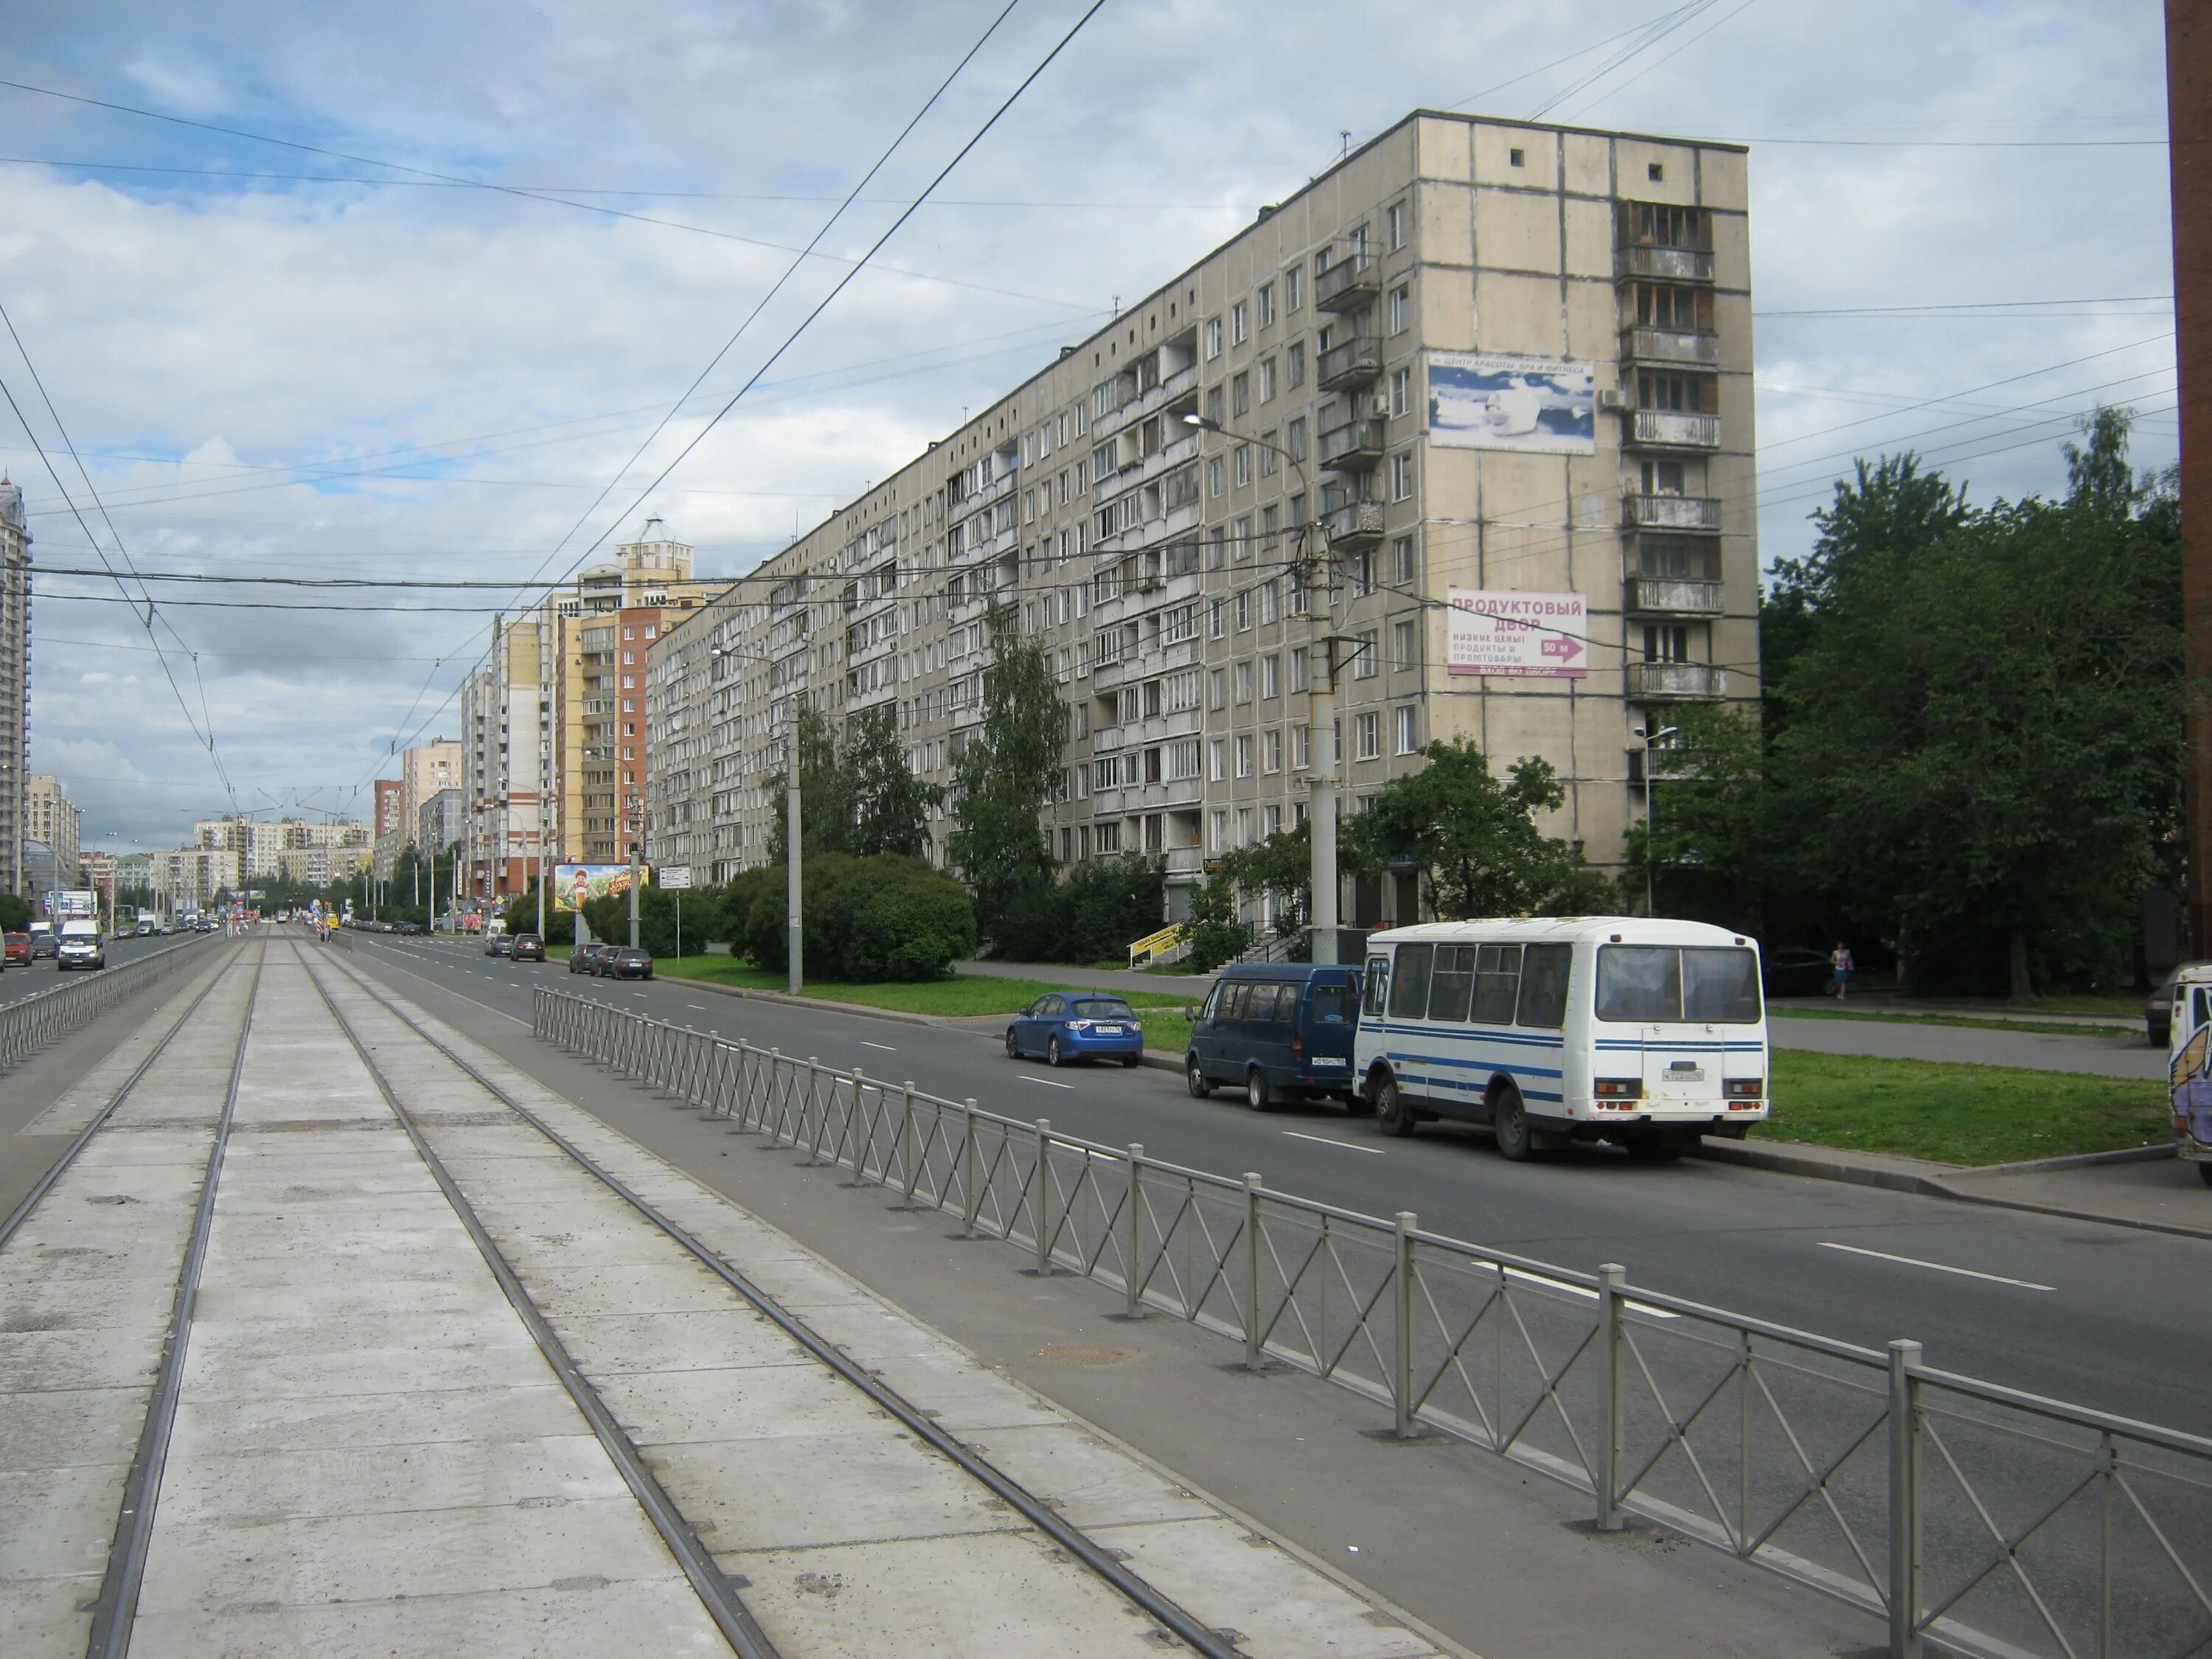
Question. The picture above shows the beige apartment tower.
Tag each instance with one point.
(1463, 430)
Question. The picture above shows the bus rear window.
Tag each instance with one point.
(1699, 984)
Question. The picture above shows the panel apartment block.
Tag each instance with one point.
(1499, 361)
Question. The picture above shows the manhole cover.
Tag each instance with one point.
(1077, 1353)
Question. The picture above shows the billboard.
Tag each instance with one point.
(574, 883)
(1538, 405)
(1543, 635)
(72, 904)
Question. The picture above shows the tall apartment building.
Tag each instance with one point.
(191, 878)
(52, 817)
(15, 680)
(297, 849)
(1464, 427)
(554, 720)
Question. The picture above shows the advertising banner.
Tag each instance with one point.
(573, 884)
(1546, 634)
(1538, 405)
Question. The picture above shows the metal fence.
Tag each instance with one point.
(30, 1023)
(1971, 1517)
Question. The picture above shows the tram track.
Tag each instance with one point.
(1102, 1563)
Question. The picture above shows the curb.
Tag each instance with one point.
(1748, 1156)
(897, 1016)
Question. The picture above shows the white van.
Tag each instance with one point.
(1645, 1032)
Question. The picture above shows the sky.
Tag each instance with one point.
(400, 291)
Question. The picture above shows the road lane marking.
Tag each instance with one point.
(885, 1046)
(1565, 1288)
(1050, 1083)
(697, 1007)
(1937, 1267)
(1323, 1140)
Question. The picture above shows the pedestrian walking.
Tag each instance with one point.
(1840, 964)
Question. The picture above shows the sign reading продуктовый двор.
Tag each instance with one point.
(1544, 634)
(1538, 406)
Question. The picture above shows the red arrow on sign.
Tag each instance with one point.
(1560, 646)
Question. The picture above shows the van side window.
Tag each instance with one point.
(1409, 987)
(1378, 984)
(1233, 996)
(1213, 1001)
(1452, 982)
(1544, 985)
(1497, 982)
(1286, 1005)
(2203, 1008)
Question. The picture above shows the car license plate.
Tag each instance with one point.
(1108, 1030)
(1330, 1059)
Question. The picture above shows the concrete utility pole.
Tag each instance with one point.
(791, 879)
(633, 895)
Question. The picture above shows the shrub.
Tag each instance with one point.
(866, 919)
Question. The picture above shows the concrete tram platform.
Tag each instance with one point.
(373, 1453)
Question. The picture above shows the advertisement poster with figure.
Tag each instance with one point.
(1543, 635)
(1538, 405)
(573, 884)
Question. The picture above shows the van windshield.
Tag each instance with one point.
(1654, 983)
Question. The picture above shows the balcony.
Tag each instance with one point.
(1664, 264)
(1355, 526)
(1353, 447)
(1666, 428)
(1674, 347)
(1676, 682)
(1659, 596)
(1673, 512)
(1356, 362)
(1350, 283)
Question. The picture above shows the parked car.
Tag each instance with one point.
(500, 944)
(625, 962)
(1795, 973)
(528, 947)
(2158, 1008)
(1071, 1025)
(1280, 1031)
(584, 959)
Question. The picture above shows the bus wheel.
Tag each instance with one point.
(1392, 1115)
(1509, 1120)
(2204, 1170)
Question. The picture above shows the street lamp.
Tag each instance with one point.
(795, 955)
(1650, 806)
(1321, 713)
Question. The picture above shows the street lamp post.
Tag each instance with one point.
(1321, 713)
(1650, 809)
(794, 894)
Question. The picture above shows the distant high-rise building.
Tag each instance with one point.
(51, 817)
(15, 679)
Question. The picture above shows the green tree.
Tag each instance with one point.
(1280, 865)
(1475, 840)
(1006, 775)
(1708, 855)
(15, 913)
(1982, 760)
(893, 804)
(1217, 934)
(825, 793)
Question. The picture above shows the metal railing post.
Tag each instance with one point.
(970, 1200)
(1612, 1286)
(1253, 1361)
(1903, 1500)
(1040, 1202)
(858, 1122)
(1134, 1269)
(821, 1107)
(907, 1162)
(1401, 1381)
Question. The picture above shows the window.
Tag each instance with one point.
(1409, 982)
(1663, 304)
(1267, 297)
(1401, 477)
(1109, 836)
(1364, 666)
(1244, 758)
(1405, 722)
(1215, 752)
(1215, 477)
(1240, 394)
(1217, 824)
(1213, 405)
(1271, 676)
(1294, 288)
(1213, 338)
(1244, 456)
(1299, 681)
(1517, 158)
(1544, 969)
(1667, 643)
(1362, 574)
(1298, 363)
(1240, 328)
(1244, 609)
(1215, 627)
(1451, 982)
(1216, 688)
(1244, 682)
(1243, 826)
(1662, 477)
(1395, 220)
(1404, 651)
(1240, 536)
(1655, 173)
(1401, 562)
(1697, 984)
(1401, 308)
(1686, 393)
(1273, 753)
(1182, 760)
(1369, 730)
(1267, 380)
(1294, 438)
(1301, 747)
(1216, 553)
(1401, 391)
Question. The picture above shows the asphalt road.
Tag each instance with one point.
(17, 981)
(2088, 1313)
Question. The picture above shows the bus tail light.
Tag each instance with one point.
(1619, 1088)
(1743, 1093)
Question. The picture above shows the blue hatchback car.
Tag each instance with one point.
(1067, 1026)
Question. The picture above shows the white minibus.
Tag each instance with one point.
(1644, 1032)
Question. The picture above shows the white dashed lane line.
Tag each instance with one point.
(1341, 1146)
(885, 1046)
(1936, 1267)
(1050, 1083)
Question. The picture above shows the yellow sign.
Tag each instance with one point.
(1152, 943)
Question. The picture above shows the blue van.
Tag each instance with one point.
(1280, 1031)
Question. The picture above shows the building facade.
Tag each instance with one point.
(15, 680)
(51, 817)
(1460, 436)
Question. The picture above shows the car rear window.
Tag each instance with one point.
(1656, 983)
(1102, 1008)
(1333, 1004)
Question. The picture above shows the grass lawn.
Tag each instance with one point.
(1958, 1113)
(962, 995)
(2051, 1027)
